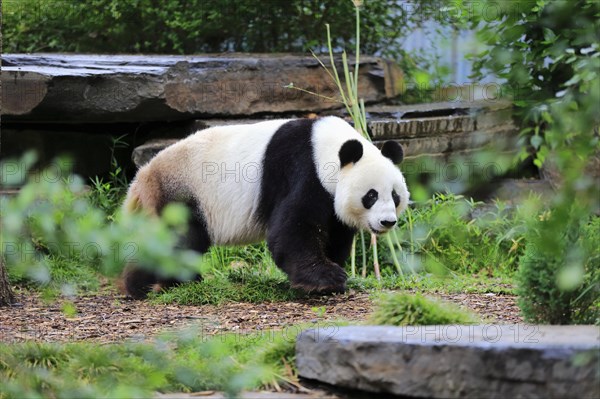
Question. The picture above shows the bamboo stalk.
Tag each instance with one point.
(394, 257)
(364, 253)
(375, 256)
(353, 257)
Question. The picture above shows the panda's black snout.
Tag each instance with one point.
(387, 223)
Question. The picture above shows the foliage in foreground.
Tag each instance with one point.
(559, 273)
(186, 362)
(52, 232)
(417, 310)
(549, 54)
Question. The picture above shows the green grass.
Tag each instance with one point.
(429, 283)
(234, 274)
(215, 290)
(184, 362)
(441, 236)
(254, 287)
(61, 272)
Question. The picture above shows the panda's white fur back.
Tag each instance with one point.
(229, 196)
(221, 167)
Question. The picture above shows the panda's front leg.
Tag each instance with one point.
(298, 242)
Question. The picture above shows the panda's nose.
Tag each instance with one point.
(387, 223)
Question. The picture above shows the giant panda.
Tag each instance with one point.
(304, 185)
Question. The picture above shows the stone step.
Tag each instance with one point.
(134, 88)
(485, 361)
(426, 120)
(437, 130)
(9, 192)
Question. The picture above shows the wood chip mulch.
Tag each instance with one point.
(493, 308)
(110, 317)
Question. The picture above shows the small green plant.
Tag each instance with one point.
(417, 310)
(108, 194)
(319, 311)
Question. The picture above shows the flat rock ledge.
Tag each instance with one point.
(485, 361)
(133, 88)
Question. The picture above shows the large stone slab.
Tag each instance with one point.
(123, 88)
(488, 361)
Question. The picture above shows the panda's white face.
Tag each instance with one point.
(371, 192)
(371, 196)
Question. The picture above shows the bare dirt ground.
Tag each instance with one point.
(110, 317)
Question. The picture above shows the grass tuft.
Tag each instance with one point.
(417, 310)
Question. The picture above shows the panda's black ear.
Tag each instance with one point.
(392, 150)
(351, 151)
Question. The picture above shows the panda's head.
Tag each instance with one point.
(371, 191)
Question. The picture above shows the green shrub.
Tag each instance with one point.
(416, 310)
(559, 273)
(547, 53)
(194, 26)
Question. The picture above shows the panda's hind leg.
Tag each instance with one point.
(138, 281)
(196, 238)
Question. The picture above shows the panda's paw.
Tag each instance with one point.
(325, 279)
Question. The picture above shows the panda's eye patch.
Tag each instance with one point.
(396, 198)
(370, 198)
